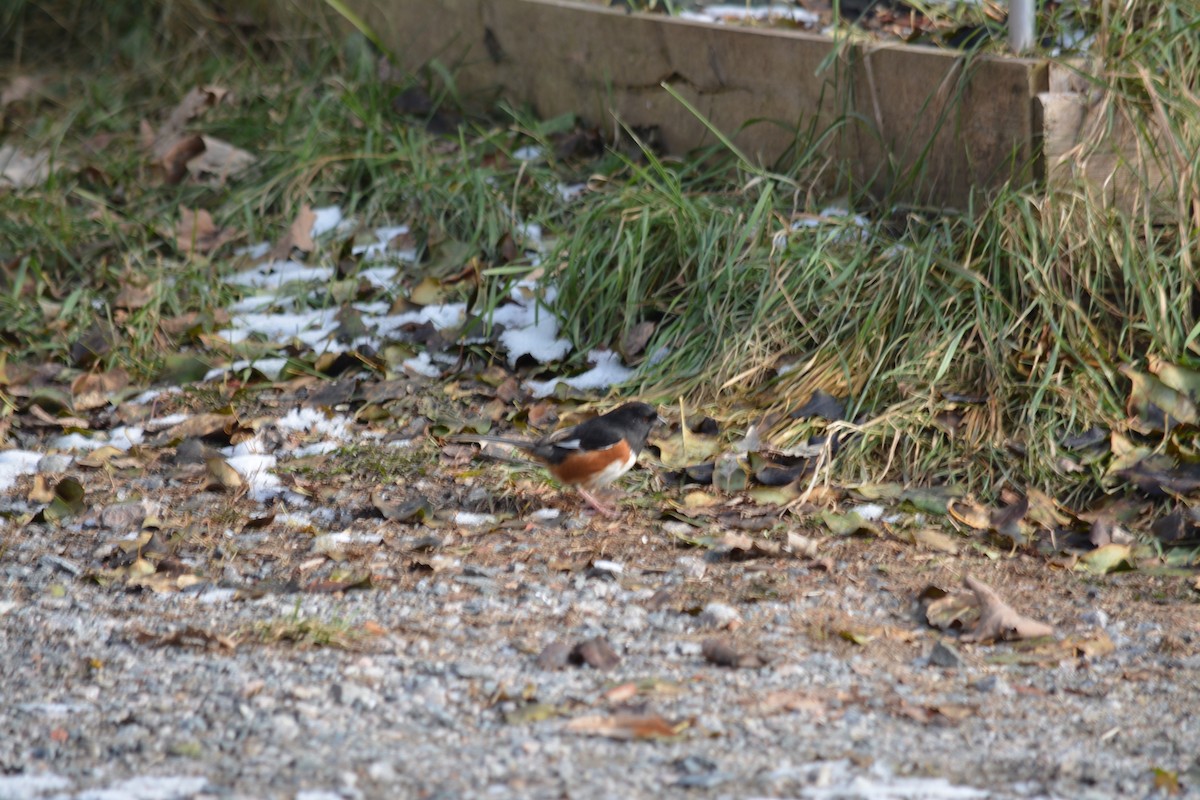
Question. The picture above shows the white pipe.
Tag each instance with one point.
(1020, 25)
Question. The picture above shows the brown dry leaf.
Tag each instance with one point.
(299, 235)
(196, 232)
(41, 491)
(723, 653)
(95, 389)
(100, 456)
(940, 714)
(936, 540)
(219, 159)
(187, 637)
(41, 415)
(133, 297)
(1155, 407)
(789, 700)
(970, 513)
(199, 426)
(634, 342)
(626, 726)
(1097, 645)
(621, 693)
(174, 162)
(596, 652)
(221, 474)
(193, 104)
(952, 611)
(998, 621)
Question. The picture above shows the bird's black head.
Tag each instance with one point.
(637, 420)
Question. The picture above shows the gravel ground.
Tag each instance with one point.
(429, 683)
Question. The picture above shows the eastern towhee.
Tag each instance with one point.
(591, 454)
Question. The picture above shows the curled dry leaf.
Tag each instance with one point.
(596, 652)
(723, 653)
(998, 621)
(221, 474)
(1155, 407)
(626, 726)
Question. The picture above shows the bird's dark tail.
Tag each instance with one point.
(478, 439)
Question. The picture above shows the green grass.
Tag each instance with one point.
(1029, 303)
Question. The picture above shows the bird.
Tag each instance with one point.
(591, 454)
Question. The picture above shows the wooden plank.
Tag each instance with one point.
(881, 109)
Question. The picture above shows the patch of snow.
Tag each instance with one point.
(469, 520)
(387, 233)
(868, 511)
(325, 219)
(608, 371)
(379, 277)
(421, 364)
(310, 327)
(54, 709)
(311, 420)
(539, 340)
(122, 438)
(529, 152)
(162, 423)
(450, 315)
(315, 449)
(372, 309)
(149, 787)
(254, 251)
(256, 469)
(726, 12)
(216, 594)
(14, 464)
(255, 302)
(150, 395)
(276, 274)
(570, 191)
(21, 787)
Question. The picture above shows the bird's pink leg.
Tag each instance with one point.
(596, 504)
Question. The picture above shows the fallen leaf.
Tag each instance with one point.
(1181, 379)
(67, 502)
(723, 653)
(626, 726)
(1156, 407)
(1107, 558)
(935, 540)
(998, 621)
(684, 449)
(782, 700)
(196, 232)
(634, 341)
(946, 611)
(221, 474)
(100, 456)
(219, 160)
(133, 297)
(192, 636)
(596, 652)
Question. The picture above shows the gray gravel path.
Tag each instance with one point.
(97, 701)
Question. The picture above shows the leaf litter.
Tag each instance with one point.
(256, 437)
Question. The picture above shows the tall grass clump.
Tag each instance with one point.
(969, 345)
